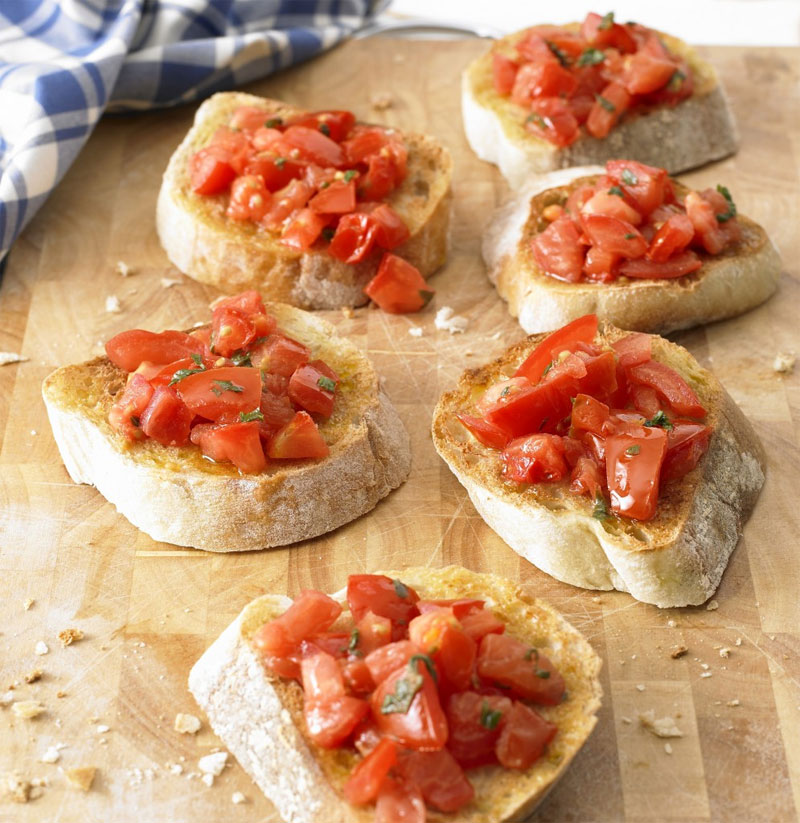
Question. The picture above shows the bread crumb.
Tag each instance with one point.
(626, 720)
(41, 648)
(70, 636)
(17, 788)
(640, 687)
(33, 676)
(668, 748)
(678, 651)
(103, 729)
(596, 599)
(113, 305)
(7, 699)
(712, 606)
(237, 798)
(706, 674)
(27, 709)
(661, 726)
(7, 357)
(704, 666)
(53, 753)
(208, 779)
(187, 724)
(27, 603)
(123, 269)
(169, 282)
(213, 763)
(415, 331)
(382, 100)
(733, 703)
(81, 777)
(784, 362)
(447, 320)
(725, 652)
(347, 311)
(738, 641)
(671, 624)
(61, 694)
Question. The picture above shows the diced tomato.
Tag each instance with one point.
(489, 435)
(321, 676)
(231, 330)
(398, 287)
(235, 143)
(249, 118)
(228, 390)
(577, 199)
(529, 674)
(364, 141)
(247, 302)
(677, 266)
(524, 737)
(383, 596)
(374, 631)
(589, 414)
(475, 723)
(669, 385)
(645, 73)
(250, 199)
(601, 374)
(567, 338)
(277, 409)
(269, 138)
(419, 724)
(237, 443)
(365, 780)
(354, 238)
(601, 31)
(302, 229)
(533, 48)
(535, 458)
(542, 79)
(480, 623)
(331, 722)
(686, 444)
(314, 146)
(210, 170)
(440, 636)
(611, 205)
(335, 124)
(294, 196)
(280, 355)
(333, 643)
(380, 178)
(166, 419)
(586, 477)
(391, 231)
(552, 119)
(129, 349)
(276, 171)
(526, 409)
(558, 250)
(299, 438)
(601, 266)
(706, 226)
(646, 186)
(438, 775)
(357, 676)
(570, 43)
(609, 106)
(311, 612)
(633, 349)
(337, 198)
(125, 415)
(313, 390)
(399, 802)
(504, 72)
(633, 468)
(615, 236)
(460, 607)
(387, 659)
(644, 399)
(672, 238)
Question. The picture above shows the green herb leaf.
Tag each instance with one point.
(399, 701)
(543, 673)
(633, 450)
(423, 658)
(541, 122)
(616, 190)
(676, 81)
(326, 383)
(241, 358)
(400, 588)
(280, 162)
(731, 213)
(489, 717)
(325, 129)
(325, 184)
(426, 296)
(328, 233)
(136, 421)
(606, 104)
(198, 360)
(353, 644)
(273, 122)
(607, 22)
(591, 57)
(182, 374)
(660, 420)
(532, 653)
(548, 367)
(349, 175)
(600, 510)
(226, 385)
(505, 391)
(630, 235)
(629, 178)
(560, 56)
(249, 417)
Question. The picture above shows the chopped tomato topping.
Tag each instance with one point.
(398, 287)
(299, 438)
(440, 778)
(214, 392)
(237, 443)
(310, 613)
(125, 415)
(354, 238)
(557, 250)
(211, 171)
(523, 738)
(365, 781)
(633, 470)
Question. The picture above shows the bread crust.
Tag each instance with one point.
(675, 559)
(259, 716)
(175, 496)
(694, 132)
(207, 246)
(727, 285)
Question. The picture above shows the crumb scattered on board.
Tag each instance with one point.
(169, 282)
(382, 100)
(447, 320)
(41, 648)
(187, 723)
(17, 788)
(113, 306)
(123, 269)
(659, 726)
(27, 709)
(81, 777)
(415, 331)
(7, 357)
(211, 766)
(237, 798)
(712, 606)
(33, 675)
(27, 603)
(70, 636)
(678, 651)
(784, 362)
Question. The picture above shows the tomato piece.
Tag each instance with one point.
(391, 230)
(577, 199)
(383, 596)
(302, 229)
(608, 107)
(440, 636)
(214, 392)
(533, 48)
(529, 674)
(646, 73)
(313, 390)
(299, 438)
(337, 198)
(331, 722)
(235, 143)
(419, 722)
(633, 468)
(706, 226)
(669, 385)
(585, 477)
(558, 250)
(533, 459)
(321, 676)
(644, 400)
(480, 623)
(589, 414)
(567, 338)
(601, 375)
(380, 178)
(601, 266)
(129, 349)
(615, 236)
(354, 238)
(672, 238)
(633, 349)
(686, 444)
(166, 419)
(542, 79)
(250, 199)
(552, 119)
(247, 302)
(611, 205)
(276, 171)
(335, 124)
(475, 722)
(389, 658)
(237, 443)
(460, 607)
(357, 676)
(286, 201)
(210, 170)
(231, 330)
(645, 185)
(311, 612)
(440, 778)
(525, 409)
(399, 802)
(524, 737)
(484, 432)
(314, 146)
(601, 31)
(398, 287)
(374, 631)
(277, 409)
(280, 355)
(365, 780)
(677, 266)
(249, 118)
(504, 72)
(125, 415)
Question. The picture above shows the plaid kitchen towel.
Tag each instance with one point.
(65, 62)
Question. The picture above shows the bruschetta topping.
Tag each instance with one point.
(612, 422)
(633, 222)
(572, 82)
(320, 180)
(423, 690)
(239, 389)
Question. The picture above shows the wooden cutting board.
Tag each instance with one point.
(148, 610)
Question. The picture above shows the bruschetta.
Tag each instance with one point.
(550, 97)
(609, 459)
(261, 429)
(423, 694)
(305, 206)
(630, 244)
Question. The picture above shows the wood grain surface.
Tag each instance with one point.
(148, 610)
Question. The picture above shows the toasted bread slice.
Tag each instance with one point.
(675, 559)
(728, 284)
(175, 495)
(259, 716)
(233, 256)
(676, 138)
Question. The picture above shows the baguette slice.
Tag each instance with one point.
(676, 138)
(728, 284)
(175, 495)
(259, 716)
(234, 256)
(675, 559)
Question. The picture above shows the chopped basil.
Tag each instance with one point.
(607, 22)
(676, 81)
(606, 104)
(324, 184)
(489, 717)
(226, 385)
(198, 360)
(241, 358)
(600, 510)
(660, 420)
(399, 701)
(505, 391)
(273, 122)
(280, 162)
(548, 367)
(326, 383)
(543, 673)
(328, 233)
(249, 417)
(731, 213)
(423, 658)
(591, 57)
(182, 374)
(629, 178)
(633, 450)
(543, 423)
(540, 121)
(616, 190)
(531, 653)
(426, 296)
(325, 129)
(629, 235)
(353, 644)
(349, 175)
(400, 588)
(560, 56)
(136, 421)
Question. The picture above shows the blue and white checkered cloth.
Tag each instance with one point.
(63, 63)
